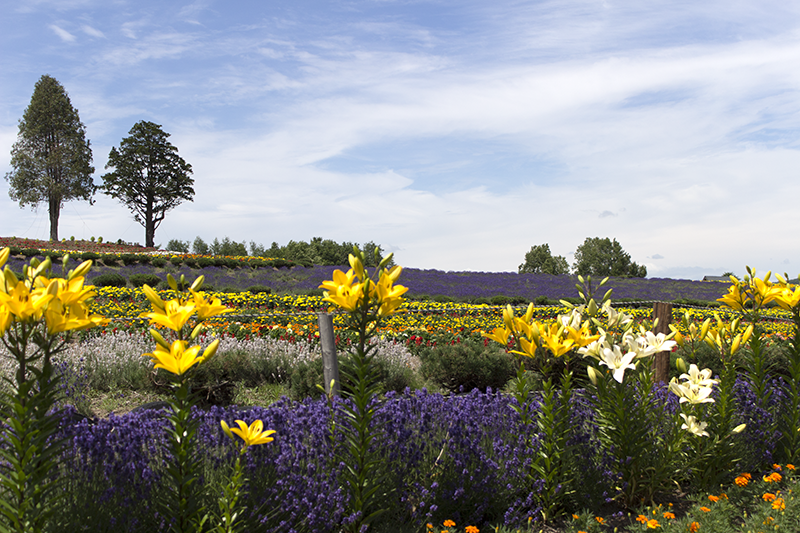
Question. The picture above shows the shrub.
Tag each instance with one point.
(109, 279)
(110, 260)
(159, 262)
(29, 252)
(500, 300)
(467, 364)
(176, 260)
(129, 259)
(145, 259)
(139, 280)
(190, 262)
(258, 289)
(90, 256)
(204, 262)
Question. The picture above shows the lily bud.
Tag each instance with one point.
(508, 317)
(4, 254)
(704, 329)
(198, 283)
(172, 283)
(681, 364)
(747, 333)
(159, 339)
(738, 429)
(198, 329)
(735, 344)
(592, 308)
(81, 269)
(592, 374)
(153, 296)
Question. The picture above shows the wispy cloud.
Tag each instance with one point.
(63, 34)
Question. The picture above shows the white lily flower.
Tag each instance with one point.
(693, 426)
(652, 343)
(616, 361)
(700, 378)
(687, 392)
(594, 349)
(616, 318)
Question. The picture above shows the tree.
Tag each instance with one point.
(540, 261)
(52, 160)
(604, 257)
(149, 177)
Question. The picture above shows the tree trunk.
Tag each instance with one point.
(55, 211)
(149, 226)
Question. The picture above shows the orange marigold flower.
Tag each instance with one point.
(429, 525)
(779, 504)
(713, 498)
(652, 524)
(773, 477)
(741, 481)
(449, 523)
(768, 497)
(776, 466)
(705, 509)
(641, 518)
(669, 516)
(693, 527)
(600, 519)
(789, 466)
(575, 516)
(471, 529)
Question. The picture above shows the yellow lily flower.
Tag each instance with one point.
(24, 304)
(178, 359)
(343, 290)
(251, 435)
(734, 299)
(207, 309)
(500, 335)
(552, 339)
(788, 297)
(174, 315)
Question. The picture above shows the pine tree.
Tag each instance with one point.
(51, 160)
(149, 176)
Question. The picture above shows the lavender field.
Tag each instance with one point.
(463, 286)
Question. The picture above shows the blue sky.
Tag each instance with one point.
(457, 134)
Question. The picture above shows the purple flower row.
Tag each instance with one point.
(461, 457)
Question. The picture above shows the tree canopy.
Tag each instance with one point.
(604, 257)
(51, 159)
(539, 260)
(149, 176)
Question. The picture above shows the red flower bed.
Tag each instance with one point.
(81, 246)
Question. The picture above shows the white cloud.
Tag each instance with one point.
(63, 34)
(92, 32)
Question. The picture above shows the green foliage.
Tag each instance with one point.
(604, 257)
(539, 260)
(51, 159)
(467, 364)
(109, 279)
(177, 245)
(87, 256)
(139, 280)
(199, 246)
(258, 289)
(227, 247)
(149, 176)
(158, 262)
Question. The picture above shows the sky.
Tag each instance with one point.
(456, 133)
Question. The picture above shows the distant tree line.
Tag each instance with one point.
(595, 257)
(318, 251)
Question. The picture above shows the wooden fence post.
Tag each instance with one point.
(663, 312)
(330, 364)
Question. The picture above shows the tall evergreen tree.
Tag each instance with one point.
(52, 159)
(149, 176)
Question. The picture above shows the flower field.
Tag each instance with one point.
(582, 439)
